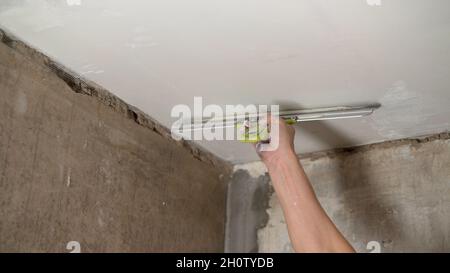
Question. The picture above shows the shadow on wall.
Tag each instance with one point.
(390, 194)
(363, 215)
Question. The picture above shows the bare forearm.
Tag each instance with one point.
(310, 229)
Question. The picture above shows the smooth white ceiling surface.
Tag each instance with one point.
(296, 53)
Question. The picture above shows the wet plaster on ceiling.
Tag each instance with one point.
(299, 54)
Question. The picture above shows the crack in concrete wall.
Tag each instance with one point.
(83, 86)
(247, 205)
(413, 142)
(73, 168)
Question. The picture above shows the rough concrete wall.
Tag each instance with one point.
(396, 193)
(78, 164)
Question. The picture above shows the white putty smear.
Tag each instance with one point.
(408, 113)
(254, 169)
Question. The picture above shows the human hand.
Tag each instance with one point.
(281, 143)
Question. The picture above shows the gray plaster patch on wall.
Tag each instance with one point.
(247, 202)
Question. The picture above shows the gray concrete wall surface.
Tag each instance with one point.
(78, 164)
(394, 196)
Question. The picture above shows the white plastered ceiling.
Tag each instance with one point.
(155, 54)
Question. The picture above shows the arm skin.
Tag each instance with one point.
(310, 229)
